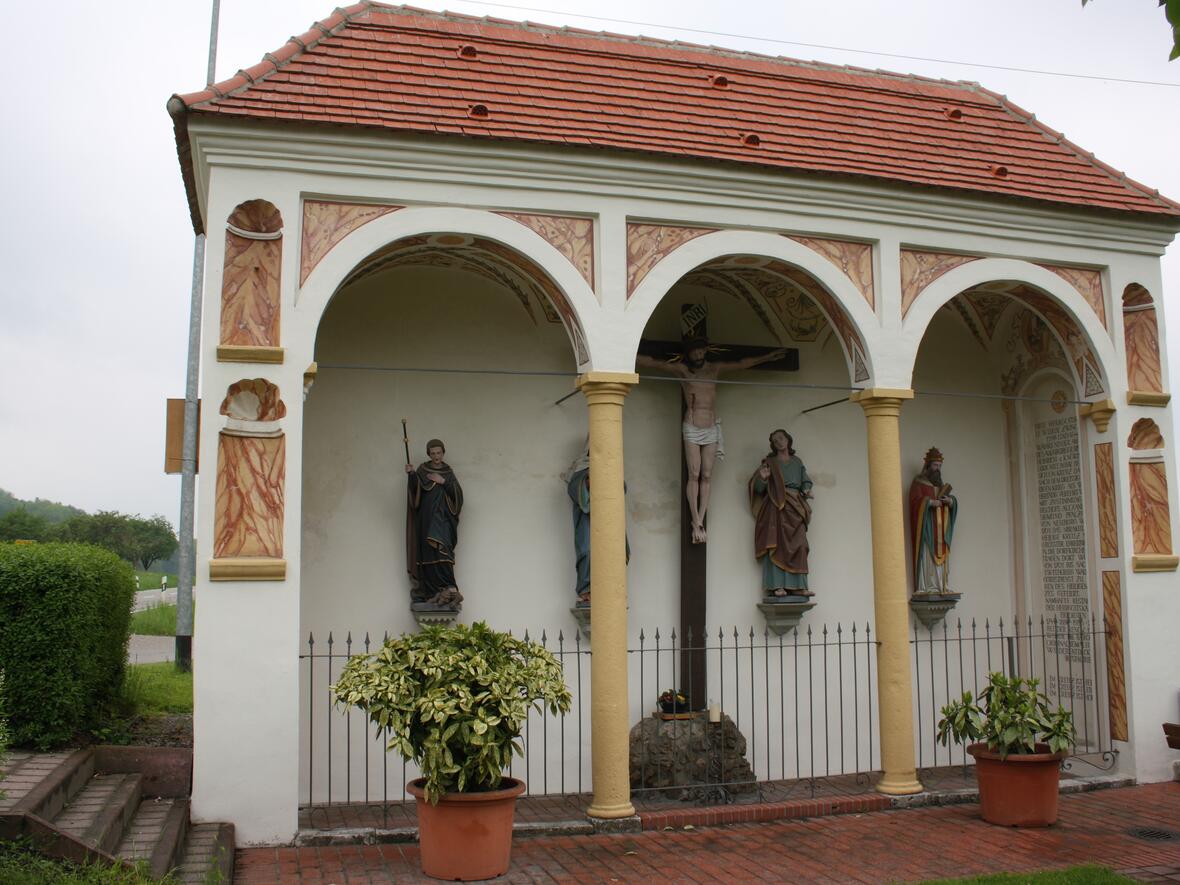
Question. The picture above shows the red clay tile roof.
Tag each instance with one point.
(408, 70)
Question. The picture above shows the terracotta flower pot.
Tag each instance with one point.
(466, 836)
(1020, 791)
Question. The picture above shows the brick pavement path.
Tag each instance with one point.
(899, 846)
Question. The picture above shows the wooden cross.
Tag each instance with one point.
(694, 557)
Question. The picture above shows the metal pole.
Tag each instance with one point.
(188, 453)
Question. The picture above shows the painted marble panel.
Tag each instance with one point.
(1145, 434)
(250, 291)
(572, 237)
(1151, 523)
(647, 244)
(1116, 678)
(920, 269)
(1088, 282)
(854, 259)
(248, 515)
(1108, 527)
(1141, 339)
(325, 224)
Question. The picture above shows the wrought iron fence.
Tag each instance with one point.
(795, 709)
(1066, 653)
(344, 754)
(791, 710)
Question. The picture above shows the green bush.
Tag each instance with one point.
(65, 614)
(3, 732)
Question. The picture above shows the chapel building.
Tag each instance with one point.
(460, 221)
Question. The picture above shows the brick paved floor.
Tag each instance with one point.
(899, 846)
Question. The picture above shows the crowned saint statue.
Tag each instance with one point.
(933, 510)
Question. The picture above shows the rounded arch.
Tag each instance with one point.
(571, 296)
(1084, 340)
(846, 310)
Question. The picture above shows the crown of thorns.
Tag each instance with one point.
(933, 454)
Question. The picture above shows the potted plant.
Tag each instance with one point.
(1018, 743)
(455, 700)
(672, 701)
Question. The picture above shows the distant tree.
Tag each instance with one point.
(20, 525)
(106, 528)
(50, 511)
(153, 539)
(1172, 13)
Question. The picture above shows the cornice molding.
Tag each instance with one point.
(584, 172)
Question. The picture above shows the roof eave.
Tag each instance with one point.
(179, 112)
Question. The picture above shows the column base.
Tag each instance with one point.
(611, 812)
(630, 824)
(894, 785)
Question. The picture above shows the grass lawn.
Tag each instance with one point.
(151, 580)
(159, 620)
(1084, 875)
(19, 865)
(155, 689)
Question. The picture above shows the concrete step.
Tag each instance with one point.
(208, 855)
(43, 783)
(100, 813)
(156, 835)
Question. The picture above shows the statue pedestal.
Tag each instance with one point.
(581, 614)
(690, 758)
(783, 613)
(427, 614)
(930, 608)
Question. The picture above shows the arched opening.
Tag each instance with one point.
(466, 339)
(748, 307)
(1012, 368)
(459, 335)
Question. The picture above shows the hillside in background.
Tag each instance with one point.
(50, 511)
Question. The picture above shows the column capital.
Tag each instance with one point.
(602, 387)
(1100, 413)
(628, 378)
(881, 400)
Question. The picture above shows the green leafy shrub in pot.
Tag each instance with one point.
(454, 700)
(1011, 717)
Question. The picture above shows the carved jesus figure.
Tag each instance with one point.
(701, 429)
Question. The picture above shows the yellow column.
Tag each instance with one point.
(605, 392)
(882, 408)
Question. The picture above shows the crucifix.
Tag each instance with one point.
(698, 364)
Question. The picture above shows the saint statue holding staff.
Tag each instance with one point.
(432, 530)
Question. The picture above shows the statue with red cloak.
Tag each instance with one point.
(933, 510)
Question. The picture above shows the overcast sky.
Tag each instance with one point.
(96, 251)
